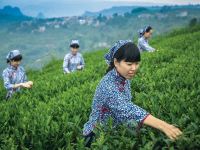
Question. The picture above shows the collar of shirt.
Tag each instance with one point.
(145, 39)
(118, 77)
(74, 55)
(12, 67)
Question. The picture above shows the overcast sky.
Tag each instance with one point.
(58, 8)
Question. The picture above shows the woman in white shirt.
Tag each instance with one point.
(144, 35)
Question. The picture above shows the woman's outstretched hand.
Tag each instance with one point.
(27, 85)
(171, 131)
(79, 67)
(30, 83)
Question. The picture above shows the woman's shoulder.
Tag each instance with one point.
(79, 54)
(21, 68)
(5, 71)
(141, 39)
(107, 82)
(68, 55)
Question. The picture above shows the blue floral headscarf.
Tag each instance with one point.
(13, 54)
(110, 55)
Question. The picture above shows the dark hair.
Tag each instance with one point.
(16, 58)
(148, 29)
(128, 52)
(74, 46)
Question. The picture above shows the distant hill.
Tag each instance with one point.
(40, 39)
(13, 11)
(40, 15)
(9, 13)
(111, 11)
(120, 10)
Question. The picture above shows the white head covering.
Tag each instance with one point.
(74, 42)
(13, 54)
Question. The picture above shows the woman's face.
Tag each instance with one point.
(126, 69)
(148, 34)
(74, 50)
(15, 63)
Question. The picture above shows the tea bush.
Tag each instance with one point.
(52, 114)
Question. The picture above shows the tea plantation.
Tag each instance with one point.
(51, 115)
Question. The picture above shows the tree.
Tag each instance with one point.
(193, 22)
(139, 10)
(101, 18)
(115, 15)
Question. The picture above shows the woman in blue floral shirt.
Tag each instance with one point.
(113, 94)
(14, 75)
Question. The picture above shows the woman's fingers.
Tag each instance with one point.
(172, 132)
(173, 135)
(30, 82)
(26, 85)
(178, 132)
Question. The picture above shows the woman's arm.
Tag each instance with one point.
(94, 116)
(65, 64)
(127, 110)
(145, 45)
(82, 63)
(23, 85)
(7, 84)
(171, 131)
(10, 86)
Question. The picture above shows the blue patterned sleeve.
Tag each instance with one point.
(126, 110)
(145, 45)
(82, 62)
(65, 64)
(25, 79)
(98, 102)
(6, 80)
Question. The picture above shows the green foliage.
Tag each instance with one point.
(52, 114)
(138, 10)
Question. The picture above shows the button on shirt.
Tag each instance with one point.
(11, 76)
(113, 99)
(71, 62)
(143, 45)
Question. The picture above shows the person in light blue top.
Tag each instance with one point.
(73, 61)
(113, 99)
(144, 35)
(14, 75)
